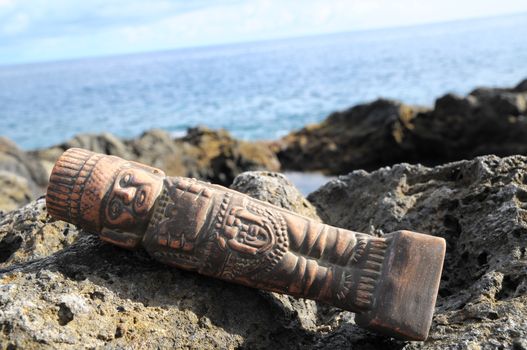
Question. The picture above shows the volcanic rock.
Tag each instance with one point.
(384, 132)
(480, 208)
(363, 136)
(219, 158)
(61, 288)
(29, 234)
(14, 191)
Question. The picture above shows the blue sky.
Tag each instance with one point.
(44, 30)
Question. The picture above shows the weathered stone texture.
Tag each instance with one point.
(479, 207)
(60, 288)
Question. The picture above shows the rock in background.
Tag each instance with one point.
(22, 177)
(14, 191)
(385, 132)
(367, 136)
(79, 292)
(211, 155)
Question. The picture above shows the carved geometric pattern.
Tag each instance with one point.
(370, 273)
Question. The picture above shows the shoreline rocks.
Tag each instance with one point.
(211, 155)
(363, 136)
(386, 132)
(366, 136)
(22, 177)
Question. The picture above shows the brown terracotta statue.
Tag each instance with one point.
(390, 282)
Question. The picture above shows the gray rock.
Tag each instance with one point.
(480, 208)
(14, 191)
(212, 155)
(274, 188)
(153, 147)
(29, 234)
(85, 293)
(18, 162)
(105, 143)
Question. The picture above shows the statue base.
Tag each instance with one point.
(406, 294)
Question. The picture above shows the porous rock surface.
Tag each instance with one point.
(30, 234)
(480, 208)
(84, 293)
(61, 288)
(274, 188)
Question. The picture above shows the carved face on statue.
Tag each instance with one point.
(247, 232)
(131, 198)
(104, 194)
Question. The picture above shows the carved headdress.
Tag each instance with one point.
(77, 186)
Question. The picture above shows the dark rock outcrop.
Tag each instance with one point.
(487, 121)
(369, 136)
(363, 136)
(79, 292)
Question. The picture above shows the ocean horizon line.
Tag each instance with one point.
(235, 44)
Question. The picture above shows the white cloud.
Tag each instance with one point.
(102, 27)
(6, 3)
(16, 24)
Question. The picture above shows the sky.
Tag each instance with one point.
(48, 30)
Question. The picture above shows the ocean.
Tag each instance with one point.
(258, 90)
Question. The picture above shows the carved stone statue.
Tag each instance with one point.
(391, 282)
